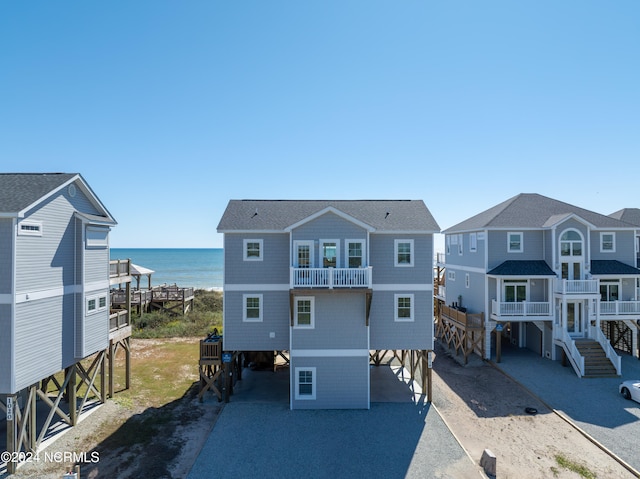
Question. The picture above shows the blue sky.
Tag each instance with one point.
(170, 109)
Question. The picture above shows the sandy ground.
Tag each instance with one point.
(486, 410)
(482, 406)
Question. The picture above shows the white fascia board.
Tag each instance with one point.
(337, 212)
(94, 220)
(407, 232)
(227, 231)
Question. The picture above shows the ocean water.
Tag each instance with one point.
(200, 268)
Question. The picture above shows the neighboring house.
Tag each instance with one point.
(631, 216)
(552, 275)
(54, 280)
(328, 281)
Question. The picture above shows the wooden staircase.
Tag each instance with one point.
(596, 363)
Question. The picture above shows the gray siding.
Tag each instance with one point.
(473, 297)
(533, 247)
(96, 332)
(533, 338)
(339, 324)
(255, 336)
(341, 383)
(383, 260)
(96, 265)
(6, 348)
(273, 269)
(474, 259)
(46, 262)
(624, 247)
(456, 287)
(329, 227)
(6, 255)
(386, 333)
(40, 339)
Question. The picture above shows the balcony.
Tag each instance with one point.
(578, 286)
(330, 278)
(619, 309)
(525, 310)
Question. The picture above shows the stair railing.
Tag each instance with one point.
(597, 334)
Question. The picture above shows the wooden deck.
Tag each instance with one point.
(460, 331)
(166, 298)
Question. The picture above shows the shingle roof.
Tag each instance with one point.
(20, 190)
(628, 215)
(530, 210)
(600, 267)
(277, 215)
(522, 268)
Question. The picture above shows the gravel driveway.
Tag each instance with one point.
(256, 435)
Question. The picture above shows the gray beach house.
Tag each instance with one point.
(328, 281)
(552, 277)
(54, 291)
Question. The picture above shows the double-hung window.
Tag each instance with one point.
(253, 249)
(403, 252)
(404, 307)
(514, 243)
(607, 242)
(355, 253)
(305, 383)
(473, 242)
(304, 312)
(252, 307)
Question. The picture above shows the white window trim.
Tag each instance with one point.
(460, 245)
(613, 242)
(321, 248)
(245, 244)
(448, 243)
(395, 306)
(305, 397)
(451, 275)
(97, 308)
(467, 280)
(308, 243)
(30, 232)
(295, 313)
(412, 253)
(244, 308)
(473, 242)
(363, 246)
(519, 233)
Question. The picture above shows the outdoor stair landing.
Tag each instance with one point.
(596, 363)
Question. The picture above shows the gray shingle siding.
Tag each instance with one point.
(339, 323)
(38, 339)
(383, 260)
(255, 336)
(386, 333)
(6, 349)
(6, 255)
(274, 267)
(341, 382)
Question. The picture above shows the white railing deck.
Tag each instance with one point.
(619, 308)
(577, 360)
(331, 277)
(578, 286)
(524, 308)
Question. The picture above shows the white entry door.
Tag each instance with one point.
(575, 320)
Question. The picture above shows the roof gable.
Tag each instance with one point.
(330, 209)
(282, 215)
(628, 215)
(20, 192)
(534, 211)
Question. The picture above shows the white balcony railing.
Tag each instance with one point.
(619, 308)
(524, 308)
(441, 258)
(331, 277)
(442, 291)
(578, 286)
